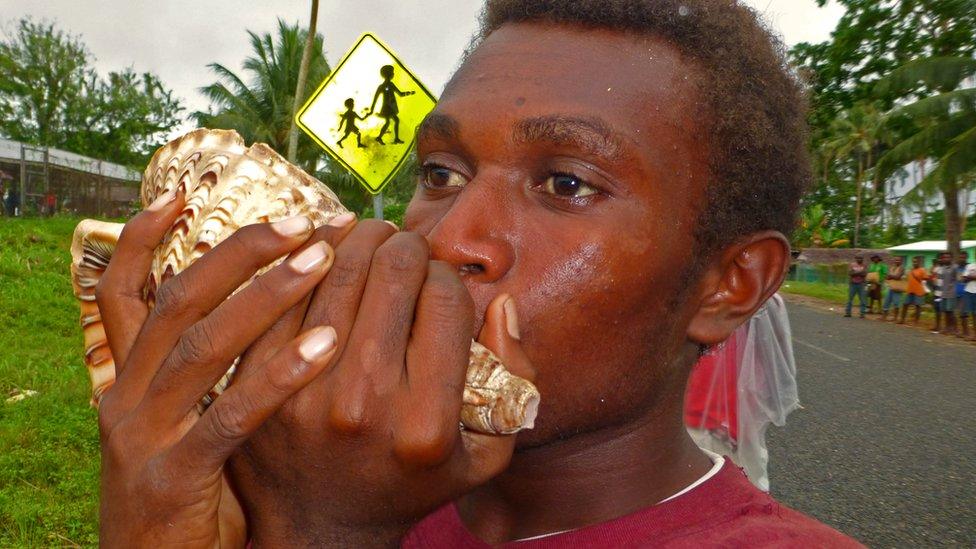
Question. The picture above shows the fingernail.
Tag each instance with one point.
(318, 343)
(162, 200)
(342, 220)
(511, 319)
(392, 224)
(310, 258)
(293, 226)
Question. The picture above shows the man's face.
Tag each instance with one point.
(565, 167)
(898, 262)
(963, 260)
(916, 262)
(858, 259)
(945, 259)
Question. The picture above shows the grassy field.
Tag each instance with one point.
(48, 442)
(836, 293)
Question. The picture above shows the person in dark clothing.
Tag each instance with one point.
(857, 272)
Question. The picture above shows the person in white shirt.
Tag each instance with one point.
(967, 300)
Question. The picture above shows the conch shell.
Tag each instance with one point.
(228, 186)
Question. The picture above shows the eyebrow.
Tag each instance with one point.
(590, 135)
(440, 126)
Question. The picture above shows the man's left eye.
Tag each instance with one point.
(439, 177)
(567, 185)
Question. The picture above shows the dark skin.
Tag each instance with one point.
(945, 260)
(875, 298)
(575, 202)
(916, 263)
(964, 321)
(893, 276)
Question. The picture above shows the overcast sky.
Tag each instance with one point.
(176, 39)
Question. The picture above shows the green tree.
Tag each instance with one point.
(51, 96)
(259, 106)
(942, 127)
(872, 39)
(855, 136)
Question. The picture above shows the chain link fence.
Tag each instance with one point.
(46, 181)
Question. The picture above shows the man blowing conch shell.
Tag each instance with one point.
(603, 193)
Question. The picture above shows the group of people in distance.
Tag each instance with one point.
(952, 286)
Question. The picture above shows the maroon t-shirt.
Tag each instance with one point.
(726, 510)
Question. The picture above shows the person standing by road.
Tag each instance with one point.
(877, 273)
(857, 272)
(13, 202)
(916, 290)
(944, 277)
(895, 278)
(967, 299)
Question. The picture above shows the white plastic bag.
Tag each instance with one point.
(741, 387)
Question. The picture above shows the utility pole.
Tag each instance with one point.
(302, 77)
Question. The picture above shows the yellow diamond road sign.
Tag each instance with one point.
(365, 114)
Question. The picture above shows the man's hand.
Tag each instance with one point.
(373, 444)
(162, 462)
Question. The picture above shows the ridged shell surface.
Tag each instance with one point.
(228, 186)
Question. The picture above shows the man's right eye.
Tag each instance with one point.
(439, 177)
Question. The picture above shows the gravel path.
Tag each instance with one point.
(884, 448)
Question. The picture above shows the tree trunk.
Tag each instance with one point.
(857, 203)
(964, 217)
(953, 227)
(302, 77)
(921, 209)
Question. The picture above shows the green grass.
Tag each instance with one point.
(836, 293)
(49, 456)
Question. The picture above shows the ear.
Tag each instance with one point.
(734, 286)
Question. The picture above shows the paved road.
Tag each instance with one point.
(884, 448)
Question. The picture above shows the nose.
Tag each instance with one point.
(477, 233)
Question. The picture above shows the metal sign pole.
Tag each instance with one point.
(378, 206)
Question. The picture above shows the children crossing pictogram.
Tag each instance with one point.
(369, 74)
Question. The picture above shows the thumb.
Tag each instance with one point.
(501, 335)
(488, 455)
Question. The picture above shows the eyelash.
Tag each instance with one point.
(425, 171)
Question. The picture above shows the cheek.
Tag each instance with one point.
(422, 215)
(595, 323)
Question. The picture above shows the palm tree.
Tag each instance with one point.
(943, 128)
(856, 135)
(260, 106)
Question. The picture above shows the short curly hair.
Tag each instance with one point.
(759, 162)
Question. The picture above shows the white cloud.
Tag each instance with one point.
(176, 39)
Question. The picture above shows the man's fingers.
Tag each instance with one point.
(189, 296)
(290, 324)
(378, 341)
(437, 360)
(119, 291)
(244, 407)
(205, 350)
(336, 300)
